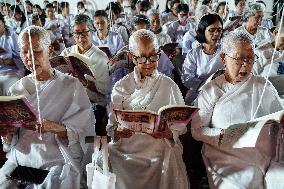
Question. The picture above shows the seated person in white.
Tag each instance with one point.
(203, 60)
(232, 98)
(11, 65)
(253, 15)
(234, 18)
(141, 160)
(178, 28)
(155, 26)
(98, 89)
(103, 36)
(66, 114)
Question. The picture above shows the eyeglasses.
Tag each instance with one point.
(144, 59)
(82, 33)
(241, 61)
(212, 30)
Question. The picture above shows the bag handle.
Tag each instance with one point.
(101, 142)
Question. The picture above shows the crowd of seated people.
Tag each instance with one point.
(226, 59)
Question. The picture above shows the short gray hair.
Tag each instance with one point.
(153, 12)
(43, 35)
(251, 10)
(142, 35)
(227, 43)
(83, 19)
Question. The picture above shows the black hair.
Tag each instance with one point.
(2, 18)
(145, 5)
(28, 3)
(81, 4)
(182, 8)
(261, 2)
(223, 3)
(140, 19)
(205, 21)
(17, 9)
(114, 7)
(237, 2)
(101, 13)
(206, 2)
(49, 5)
(37, 6)
(64, 4)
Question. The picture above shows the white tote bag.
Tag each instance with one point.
(98, 178)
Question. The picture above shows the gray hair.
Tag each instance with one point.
(44, 37)
(228, 42)
(200, 11)
(142, 35)
(83, 19)
(251, 10)
(153, 12)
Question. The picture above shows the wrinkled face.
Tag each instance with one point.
(239, 62)
(49, 12)
(240, 6)
(101, 24)
(146, 49)
(82, 35)
(213, 33)
(41, 56)
(256, 19)
(155, 23)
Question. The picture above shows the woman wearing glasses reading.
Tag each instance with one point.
(141, 160)
(229, 99)
(203, 60)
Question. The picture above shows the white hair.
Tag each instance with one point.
(151, 12)
(251, 10)
(44, 37)
(229, 41)
(142, 35)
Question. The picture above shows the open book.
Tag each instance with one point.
(16, 111)
(151, 122)
(247, 134)
(75, 64)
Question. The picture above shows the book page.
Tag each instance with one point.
(137, 121)
(175, 116)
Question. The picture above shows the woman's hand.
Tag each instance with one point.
(122, 132)
(53, 127)
(166, 134)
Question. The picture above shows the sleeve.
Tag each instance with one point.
(171, 31)
(187, 43)
(101, 73)
(124, 34)
(200, 126)
(189, 75)
(120, 43)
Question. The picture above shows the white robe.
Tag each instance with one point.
(177, 31)
(163, 39)
(113, 41)
(189, 42)
(197, 67)
(142, 161)
(100, 70)
(63, 99)
(262, 35)
(221, 105)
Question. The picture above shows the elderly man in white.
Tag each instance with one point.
(229, 99)
(66, 114)
(141, 160)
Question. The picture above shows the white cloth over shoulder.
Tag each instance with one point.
(221, 105)
(142, 161)
(100, 69)
(63, 100)
(197, 67)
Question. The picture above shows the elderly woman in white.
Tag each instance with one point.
(66, 114)
(253, 15)
(203, 60)
(229, 99)
(141, 160)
